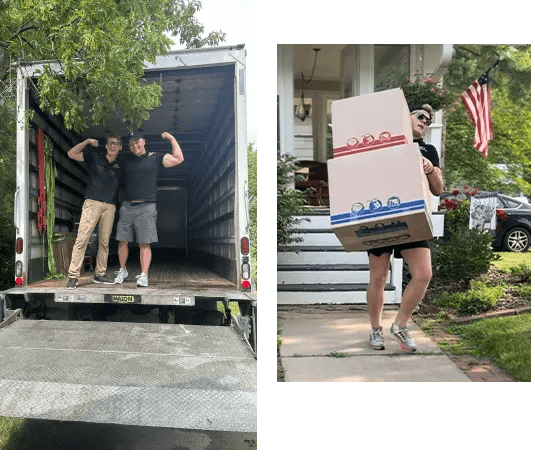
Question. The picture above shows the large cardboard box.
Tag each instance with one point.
(373, 121)
(380, 198)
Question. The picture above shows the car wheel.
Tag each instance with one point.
(517, 240)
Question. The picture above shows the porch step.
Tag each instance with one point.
(325, 274)
(318, 257)
(330, 298)
(313, 248)
(315, 237)
(333, 267)
(359, 287)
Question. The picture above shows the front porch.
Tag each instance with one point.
(317, 270)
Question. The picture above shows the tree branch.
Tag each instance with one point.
(468, 50)
(20, 31)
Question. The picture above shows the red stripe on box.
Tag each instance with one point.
(396, 140)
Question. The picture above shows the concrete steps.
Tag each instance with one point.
(317, 270)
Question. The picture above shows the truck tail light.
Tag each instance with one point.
(246, 274)
(244, 246)
(19, 245)
(18, 272)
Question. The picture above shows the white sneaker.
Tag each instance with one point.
(401, 334)
(142, 280)
(377, 340)
(122, 274)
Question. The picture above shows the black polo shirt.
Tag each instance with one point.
(429, 152)
(104, 177)
(140, 175)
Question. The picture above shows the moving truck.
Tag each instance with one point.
(181, 352)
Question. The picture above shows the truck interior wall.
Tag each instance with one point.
(70, 186)
(212, 192)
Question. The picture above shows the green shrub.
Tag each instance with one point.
(477, 299)
(290, 202)
(7, 189)
(464, 256)
(524, 290)
(7, 251)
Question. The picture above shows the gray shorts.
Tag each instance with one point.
(138, 218)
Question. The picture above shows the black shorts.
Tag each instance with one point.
(397, 249)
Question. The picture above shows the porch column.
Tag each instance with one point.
(285, 92)
(366, 69)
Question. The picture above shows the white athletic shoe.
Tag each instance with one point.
(122, 274)
(142, 280)
(377, 340)
(401, 334)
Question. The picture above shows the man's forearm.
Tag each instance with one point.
(436, 184)
(176, 150)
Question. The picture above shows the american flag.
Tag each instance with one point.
(477, 100)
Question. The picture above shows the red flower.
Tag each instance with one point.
(448, 204)
(455, 192)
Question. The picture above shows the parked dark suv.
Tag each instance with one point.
(513, 231)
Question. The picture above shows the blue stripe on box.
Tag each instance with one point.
(384, 211)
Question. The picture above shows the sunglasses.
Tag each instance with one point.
(422, 116)
(113, 143)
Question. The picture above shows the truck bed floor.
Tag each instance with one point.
(179, 274)
(168, 279)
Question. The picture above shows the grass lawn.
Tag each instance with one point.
(506, 340)
(9, 428)
(509, 260)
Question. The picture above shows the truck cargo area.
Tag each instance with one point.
(181, 352)
(202, 203)
(162, 375)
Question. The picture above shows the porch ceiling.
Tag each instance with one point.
(327, 64)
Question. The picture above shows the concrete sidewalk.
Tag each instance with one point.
(309, 337)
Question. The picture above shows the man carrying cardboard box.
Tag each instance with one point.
(416, 254)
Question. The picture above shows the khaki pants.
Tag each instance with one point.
(93, 212)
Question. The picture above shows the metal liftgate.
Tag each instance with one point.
(163, 375)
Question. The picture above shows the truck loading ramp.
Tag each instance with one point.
(162, 375)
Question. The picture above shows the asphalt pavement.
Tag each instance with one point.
(54, 434)
(331, 345)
